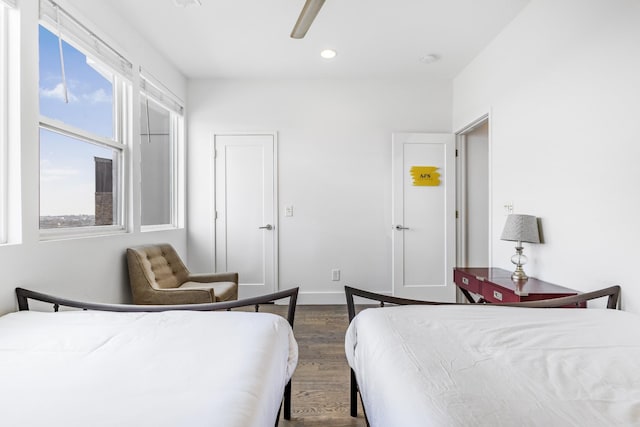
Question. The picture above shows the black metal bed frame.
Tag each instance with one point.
(612, 292)
(24, 295)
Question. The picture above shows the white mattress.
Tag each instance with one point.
(179, 368)
(496, 366)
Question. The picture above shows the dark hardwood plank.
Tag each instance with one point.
(320, 384)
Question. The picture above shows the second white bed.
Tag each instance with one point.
(496, 366)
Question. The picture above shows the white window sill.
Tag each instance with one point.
(160, 227)
(80, 232)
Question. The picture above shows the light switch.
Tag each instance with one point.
(288, 211)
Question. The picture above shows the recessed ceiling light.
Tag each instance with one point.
(428, 59)
(328, 54)
(185, 3)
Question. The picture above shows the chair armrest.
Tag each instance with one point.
(181, 296)
(213, 277)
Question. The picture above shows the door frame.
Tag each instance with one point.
(461, 190)
(276, 224)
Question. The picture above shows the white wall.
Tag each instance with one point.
(89, 268)
(334, 168)
(561, 83)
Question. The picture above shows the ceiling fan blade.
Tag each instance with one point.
(308, 14)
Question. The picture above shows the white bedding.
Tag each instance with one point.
(179, 368)
(496, 366)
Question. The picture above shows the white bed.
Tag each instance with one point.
(464, 365)
(171, 368)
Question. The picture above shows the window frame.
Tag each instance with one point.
(7, 122)
(122, 99)
(4, 119)
(155, 92)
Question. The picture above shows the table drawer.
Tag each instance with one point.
(496, 294)
(467, 281)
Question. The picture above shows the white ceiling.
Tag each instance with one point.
(373, 38)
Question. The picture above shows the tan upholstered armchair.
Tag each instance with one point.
(158, 276)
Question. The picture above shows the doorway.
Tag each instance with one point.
(473, 196)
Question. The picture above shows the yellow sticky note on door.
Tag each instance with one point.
(425, 176)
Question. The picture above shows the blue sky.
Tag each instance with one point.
(67, 165)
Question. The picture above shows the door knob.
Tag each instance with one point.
(399, 227)
(266, 227)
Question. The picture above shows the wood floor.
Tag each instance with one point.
(320, 386)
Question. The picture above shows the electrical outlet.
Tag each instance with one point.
(335, 274)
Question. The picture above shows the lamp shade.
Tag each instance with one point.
(521, 228)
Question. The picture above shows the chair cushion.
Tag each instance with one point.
(162, 264)
(225, 291)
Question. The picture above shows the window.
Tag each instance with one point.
(5, 107)
(161, 125)
(84, 95)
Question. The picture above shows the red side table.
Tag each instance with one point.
(495, 285)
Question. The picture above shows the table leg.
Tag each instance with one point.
(468, 296)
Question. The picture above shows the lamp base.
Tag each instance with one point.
(519, 275)
(519, 259)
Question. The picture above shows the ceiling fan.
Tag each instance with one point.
(308, 14)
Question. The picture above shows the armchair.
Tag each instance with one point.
(157, 275)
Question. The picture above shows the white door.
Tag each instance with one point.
(423, 216)
(245, 206)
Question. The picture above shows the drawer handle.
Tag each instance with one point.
(497, 295)
(465, 281)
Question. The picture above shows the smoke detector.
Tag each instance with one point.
(429, 58)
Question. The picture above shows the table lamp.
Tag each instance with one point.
(520, 228)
